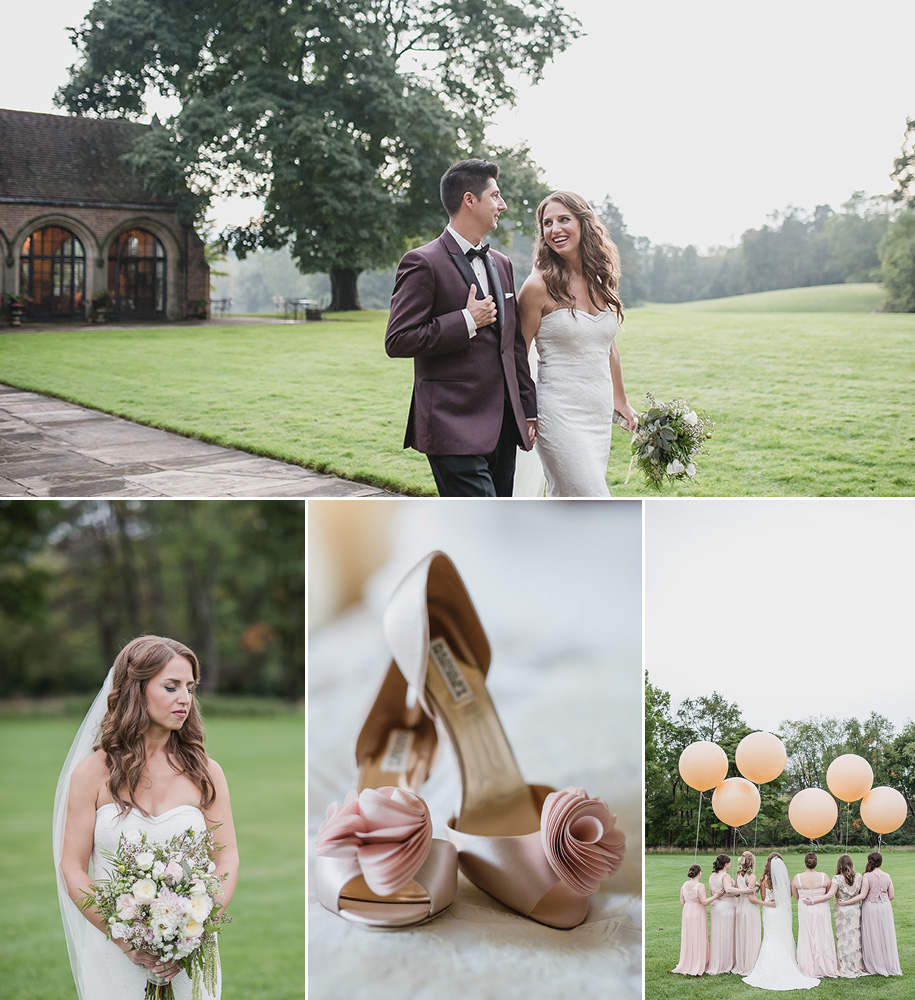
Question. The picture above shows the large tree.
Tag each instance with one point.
(340, 114)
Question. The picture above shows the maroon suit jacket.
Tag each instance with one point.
(459, 382)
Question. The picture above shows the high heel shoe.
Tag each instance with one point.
(539, 851)
(377, 863)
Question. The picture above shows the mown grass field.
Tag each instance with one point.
(262, 950)
(809, 389)
(665, 873)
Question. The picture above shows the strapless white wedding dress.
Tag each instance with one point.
(575, 401)
(107, 973)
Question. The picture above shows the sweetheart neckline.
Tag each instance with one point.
(577, 312)
(153, 815)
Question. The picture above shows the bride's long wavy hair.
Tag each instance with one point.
(600, 258)
(127, 719)
(766, 879)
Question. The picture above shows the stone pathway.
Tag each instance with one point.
(49, 448)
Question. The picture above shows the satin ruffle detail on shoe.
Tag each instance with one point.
(387, 831)
(580, 840)
(518, 870)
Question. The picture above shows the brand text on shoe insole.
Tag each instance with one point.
(398, 750)
(450, 670)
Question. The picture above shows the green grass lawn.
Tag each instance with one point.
(262, 950)
(665, 873)
(809, 389)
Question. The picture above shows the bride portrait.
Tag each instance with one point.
(137, 765)
(570, 308)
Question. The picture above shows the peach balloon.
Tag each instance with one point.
(761, 757)
(883, 809)
(735, 801)
(813, 812)
(849, 777)
(703, 765)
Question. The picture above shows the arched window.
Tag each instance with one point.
(53, 272)
(136, 275)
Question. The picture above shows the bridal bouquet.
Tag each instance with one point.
(667, 440)
(160, 896)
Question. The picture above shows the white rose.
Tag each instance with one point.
(198, 887)
(211, 867)
(200, 907)
(193, 928)
(145, 860)
(691, 470)
(133, 837)
(691, 418)
(158, 869)
(119, 931)
(144, 890)
(675, 468)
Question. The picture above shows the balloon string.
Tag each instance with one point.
(756, 824)
(847, 810)
(696, 852)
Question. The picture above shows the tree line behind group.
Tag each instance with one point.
(671, 806)
(79, 579)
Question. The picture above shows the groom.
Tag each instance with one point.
(454, 312)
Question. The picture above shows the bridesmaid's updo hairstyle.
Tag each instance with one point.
(694, 870)
(600, 258)
(747, 863)
(126, 721)
(846, 868)
(810, 860)
(874, 860)
(720, 862)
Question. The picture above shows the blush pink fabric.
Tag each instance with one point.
(387, 831)
(580, 840)
(693, 931)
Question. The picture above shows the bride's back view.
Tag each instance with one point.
(776, 968)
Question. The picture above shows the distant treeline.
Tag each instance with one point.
(79, 579)
(794, 249)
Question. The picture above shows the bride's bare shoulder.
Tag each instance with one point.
(90, 776)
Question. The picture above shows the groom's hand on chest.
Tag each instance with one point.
(483, 311)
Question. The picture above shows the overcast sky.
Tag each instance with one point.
(791, 608)
(698, 119)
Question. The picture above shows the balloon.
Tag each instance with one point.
(883, 809)
(703, 765)
(735, 801)
(813, 812)
(849, 777)
(761, 757)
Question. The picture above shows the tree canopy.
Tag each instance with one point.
(340, 114)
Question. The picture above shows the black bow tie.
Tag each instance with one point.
(481, 253)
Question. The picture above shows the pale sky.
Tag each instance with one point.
(698, 119)
(790, 608)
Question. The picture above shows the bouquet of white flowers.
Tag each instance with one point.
(667, 440)
(161, 896)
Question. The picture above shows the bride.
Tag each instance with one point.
(137, 763)
(570, 307)
(776, 968)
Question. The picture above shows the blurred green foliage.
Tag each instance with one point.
(80, 578)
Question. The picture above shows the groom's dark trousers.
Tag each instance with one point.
(471, 395)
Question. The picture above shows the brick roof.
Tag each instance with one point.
(66, 157)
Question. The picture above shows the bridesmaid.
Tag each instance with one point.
(847, 884)
(694, 926)
(724, 912)
(747, 929)
(878, 931)
(816, 949)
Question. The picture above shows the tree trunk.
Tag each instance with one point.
(344, 293)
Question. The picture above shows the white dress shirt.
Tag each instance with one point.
(479, 269)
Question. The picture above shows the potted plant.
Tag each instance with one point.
(18, 302)
(197, 308)
(101, 305)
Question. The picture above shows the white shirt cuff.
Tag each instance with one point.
(471, 325)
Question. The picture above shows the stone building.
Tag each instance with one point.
(76, 221)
